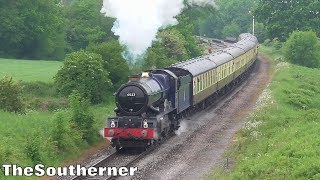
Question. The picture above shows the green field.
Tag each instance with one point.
(29, 70)
(28, 139)
(281, 140)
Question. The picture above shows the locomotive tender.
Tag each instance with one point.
(150, 105)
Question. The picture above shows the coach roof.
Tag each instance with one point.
(196, 66)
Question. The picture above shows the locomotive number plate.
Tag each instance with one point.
(131, 95)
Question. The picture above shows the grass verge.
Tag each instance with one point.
(281, 140)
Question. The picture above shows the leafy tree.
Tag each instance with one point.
(236, 12)
(157, 57)
(170, 48)
(84, 72)
(283, 17)
(112, 61)
(260, 31)
(186, 28)
(175, 44)
(86, 25)
(32, 29)
(303, 48)
(211, 26)
(11, 96)
(232, 30)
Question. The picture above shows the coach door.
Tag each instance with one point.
(184, 92)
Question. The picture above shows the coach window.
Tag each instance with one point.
(194, 86)
(228, 69)
(209, 78)
(212, 76)
(201, 81)
(207, 75)
(204, 80)
(198, 84)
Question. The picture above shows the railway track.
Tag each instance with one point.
(124, 159)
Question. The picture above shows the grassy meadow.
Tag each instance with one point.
(281, 140)
(29, 70)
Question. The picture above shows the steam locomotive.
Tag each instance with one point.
(151, 104)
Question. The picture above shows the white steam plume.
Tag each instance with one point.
(138, 21)
(183, 128)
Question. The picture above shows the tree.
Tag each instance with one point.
(260, 31)
(174, 44)
(32, 29)
(170, 48)
(232, 30)
(188, 21)
(86, 25)
(211, 26)
(283, 17)
(303, 48)
(236, 12)
(84, 72)
(157, 57)
(112, 61)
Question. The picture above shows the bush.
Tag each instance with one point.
(112, 61)
(82, 117)
(303, 48)
(11, 96)
(32, 150)
(276, 43)
(84, 72)
(66, 138)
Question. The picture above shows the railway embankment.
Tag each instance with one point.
(280, 140)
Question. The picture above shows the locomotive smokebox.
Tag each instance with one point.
(136, 97)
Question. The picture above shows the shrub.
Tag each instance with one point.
(276, 43)
(267, 42)
(82, 117)
(11, 95)
(66, 138)
(303, 48)
(112, 61)
(84, 72)
(32, 150)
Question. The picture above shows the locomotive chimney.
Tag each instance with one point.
(134, 78)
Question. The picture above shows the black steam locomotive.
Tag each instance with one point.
(150, 105)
